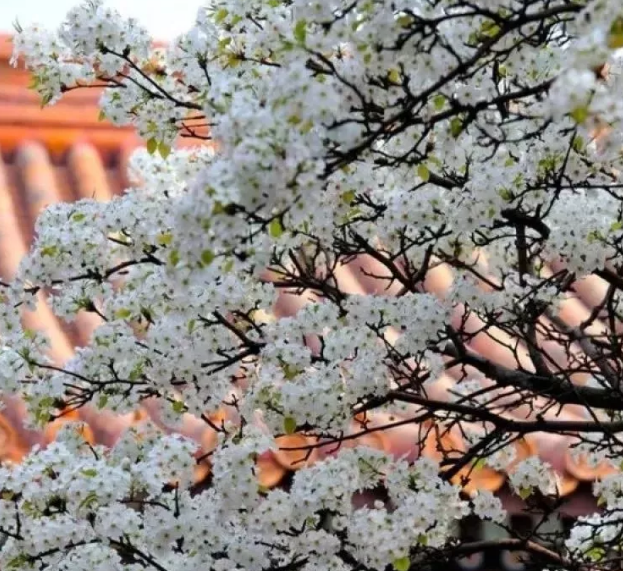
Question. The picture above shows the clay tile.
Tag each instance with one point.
(209, 437)
(269, 470)
(38, 182)
(11, 447)
(578, 466)
(201, 471)
(566, 483)
(403, 441)
(523, 450)
(295, 459)
(474, 476)
(12, 242)
(376, 440)
(87, 172)
(51, 430)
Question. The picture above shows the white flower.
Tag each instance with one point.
(487, 506)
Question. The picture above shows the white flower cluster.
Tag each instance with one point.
(532, 475)
(89, 506)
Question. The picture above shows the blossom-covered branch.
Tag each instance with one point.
(388, 211)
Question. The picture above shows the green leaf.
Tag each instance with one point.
(300, 31)
(224, 42)
(78, 217)
(593, 236)
(174, 257)
(102, 401)
(275, 228)
(615, 37)
(456, 127)
(596, 553)
(524, 493)
(289, 372)
(401, 564)
(191, 325)
(164, 149)
(348, 196)
(88, 501)
(164, 238)
(220, 15)
(615, 226)
(423, 172)
(89, 472)
(49, 251)
(479, 464)
(489, 29)
(578, 144)
(178, 406)
(20, 561)
(439, 101)
(505, 194)
(136, 373)
(394, 76)
(123, 313)
(404, 20)
(289, 425)
(207, 257)
(45, 99)
(579, 114)
(152, 146)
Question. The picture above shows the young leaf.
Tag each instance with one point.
(394, 76)
(456, 127)
(152, 146)
(579, 114)
(289, 425)
(401, 564)
(423, 172)
(220, 15)
(275, 228)
(615, 37)
(438, 101)
(164, 149)
(300, 31)
(123, 313)
(207, 257)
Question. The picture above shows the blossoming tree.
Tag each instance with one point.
(402, 135)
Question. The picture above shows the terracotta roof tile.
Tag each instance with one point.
(65, 153)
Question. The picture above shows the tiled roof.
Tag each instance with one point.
(65, 153)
